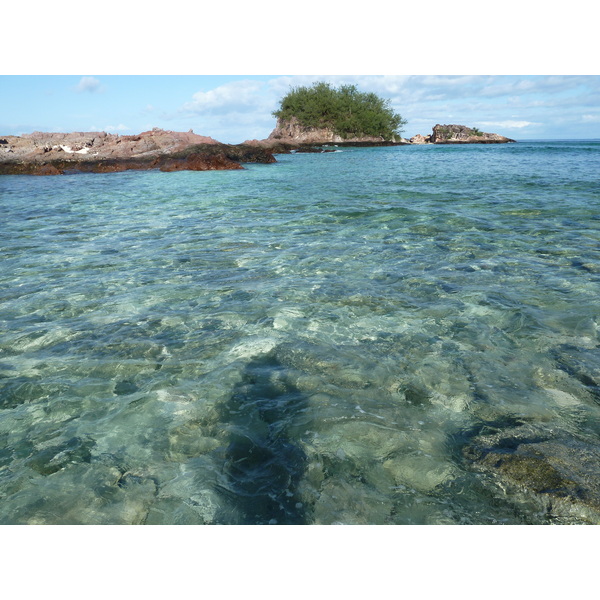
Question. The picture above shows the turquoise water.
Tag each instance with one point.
(320, 340)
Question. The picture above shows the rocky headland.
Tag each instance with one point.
(41, 153)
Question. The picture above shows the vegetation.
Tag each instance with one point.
(345, 110)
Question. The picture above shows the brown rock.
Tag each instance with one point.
(560, 472)
(47, 170)
(54, 153)
(460, 134)
(199, 162)
(419, 139)
(81, 145)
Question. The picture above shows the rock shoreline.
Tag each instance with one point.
(99, 152)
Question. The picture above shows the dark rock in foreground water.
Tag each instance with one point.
(314, 150)
(559, 474)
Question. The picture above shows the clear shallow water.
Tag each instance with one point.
(316, 341)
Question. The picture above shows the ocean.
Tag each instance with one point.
(400, 335)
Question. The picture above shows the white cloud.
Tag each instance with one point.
(88, 84)
(507, 124)
(237, 95)
(590, 118)
(541, 84)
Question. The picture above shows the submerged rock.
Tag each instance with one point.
(561, 474)
(314, 150)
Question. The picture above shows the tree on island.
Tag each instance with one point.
(344, 110)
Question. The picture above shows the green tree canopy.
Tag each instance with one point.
(345, 110)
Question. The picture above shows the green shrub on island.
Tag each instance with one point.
(346, 111)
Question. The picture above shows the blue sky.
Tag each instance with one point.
(233, 108)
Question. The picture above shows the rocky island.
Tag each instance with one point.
(321, 114)
(291, 132)
(41, 153)
(459, 134)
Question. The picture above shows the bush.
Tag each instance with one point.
(345, 110)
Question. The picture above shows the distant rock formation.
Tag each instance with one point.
(42, 153)
(459, 134)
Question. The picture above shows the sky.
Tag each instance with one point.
(235, 108)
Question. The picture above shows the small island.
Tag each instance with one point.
(459, 134)
(344, 115)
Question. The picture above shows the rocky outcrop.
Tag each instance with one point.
(315, 149)
(290, 134)
(459, 134)
(99, 152)
(420, 139)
